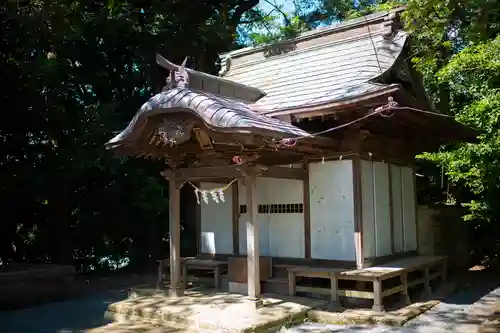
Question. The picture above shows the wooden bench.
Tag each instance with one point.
(217, 266)
(313, 272)
(400, 268)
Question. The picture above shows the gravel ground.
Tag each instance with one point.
(452, 315)
(456, 314)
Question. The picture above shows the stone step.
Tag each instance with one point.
(139, 326)
(213, 311)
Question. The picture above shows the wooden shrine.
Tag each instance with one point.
(300, 151)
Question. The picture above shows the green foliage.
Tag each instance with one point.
(276, 32)
(370, 7)
(473, 76)
(76, 72)
(456, 49)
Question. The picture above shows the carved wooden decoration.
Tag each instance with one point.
(225, 65)
(178, 78)
(203, 138)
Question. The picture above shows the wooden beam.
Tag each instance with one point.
(358, 212)
(198, 226)
(391, 208)
(236, 218)
(234, 171)
(176, 288)
(252, 226)
(283, 172)
(307, 213)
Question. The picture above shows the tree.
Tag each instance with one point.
(76, 72)
(456, 47)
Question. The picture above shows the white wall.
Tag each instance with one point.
(404, 205)
(216, 223)
(286, 230)
(281, 234)
(332, 210)
(397, 209)
(409, 206)
(375, 209)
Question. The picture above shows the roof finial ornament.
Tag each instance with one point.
(179, 77)
(225, 65)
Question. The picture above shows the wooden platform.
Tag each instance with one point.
(399, 270)
(374, 283)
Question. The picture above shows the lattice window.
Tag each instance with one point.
(296, 208)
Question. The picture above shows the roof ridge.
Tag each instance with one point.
(331, 29)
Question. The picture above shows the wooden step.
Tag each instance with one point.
(277, 280)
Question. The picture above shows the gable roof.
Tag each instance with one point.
(322, 74)
(324, 66)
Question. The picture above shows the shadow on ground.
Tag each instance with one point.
(61, 317)
(460, 312)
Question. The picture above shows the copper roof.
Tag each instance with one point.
(217, 113)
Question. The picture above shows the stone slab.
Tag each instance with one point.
(137, 326)
(489, 326)
(367, 316)
(332, 328)
(217, 311)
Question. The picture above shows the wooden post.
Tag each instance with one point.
(253, 253)
(404, 282)
(176, 288)
(334, 297)
(377, 296)
(236, 219)
(307, 213)
(427, 283)
(358, 212)
(291, 283)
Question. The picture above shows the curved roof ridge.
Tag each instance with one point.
(218, 114)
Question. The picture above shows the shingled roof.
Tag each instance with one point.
(320, 67)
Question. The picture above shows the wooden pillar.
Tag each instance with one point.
(253, 253)
(358, 214)
(307, 213)
(377, 296)
(176, 287)
(391, 208)
(236, 219)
